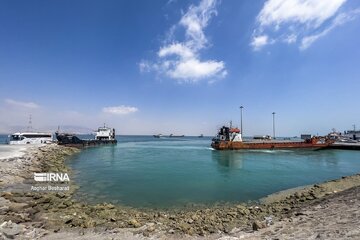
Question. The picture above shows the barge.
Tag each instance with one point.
(231, 139)
(104, 135)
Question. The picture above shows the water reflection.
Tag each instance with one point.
(229, 159)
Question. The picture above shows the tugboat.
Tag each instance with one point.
(231, 139)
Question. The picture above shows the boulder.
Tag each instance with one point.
(10, 229)
(134, 223)
(258, 225)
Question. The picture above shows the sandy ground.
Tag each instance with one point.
(13, 151)
(333, 214)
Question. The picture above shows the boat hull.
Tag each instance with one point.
(228, 145)
(70, 140)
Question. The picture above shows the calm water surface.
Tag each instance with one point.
(142, 171)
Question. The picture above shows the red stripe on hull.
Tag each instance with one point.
(226, 145)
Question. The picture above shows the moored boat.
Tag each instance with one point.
(104, 135)
(231, 139)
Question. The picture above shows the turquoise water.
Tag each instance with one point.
(4, 139)
(142, 171)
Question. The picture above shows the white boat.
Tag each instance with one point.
(30, 138)
(105, 133)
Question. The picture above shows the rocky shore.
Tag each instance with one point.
(26, 214)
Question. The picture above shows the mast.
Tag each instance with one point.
(29, 127)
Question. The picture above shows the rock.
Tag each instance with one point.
(60, 195)
(227, 228)
(212, 218)
(243, 210)
(194, 217)
(68, 221)
(17, 207)
(150, 229)
(258, 225)
(268, 220)
(233, 214)
(10, 229)
(184, 227)
(6, 195)
(134, 223)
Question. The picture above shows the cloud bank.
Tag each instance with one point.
(21, 104)
(180, 60)
(120, 110)
(298, 21)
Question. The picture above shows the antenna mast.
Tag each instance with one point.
(29, 128)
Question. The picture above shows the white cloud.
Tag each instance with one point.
(144, 66)
(194, 69)
(120, 110)
(176, 49)
(290, 38)
(289, 20)
(259, 41)
(21, 104)
(181, 60)
(195, 20)
(338, 21)
(276, 12)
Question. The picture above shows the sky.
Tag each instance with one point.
(182, 67)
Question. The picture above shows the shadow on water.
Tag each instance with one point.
(231, 160)
(228, 159)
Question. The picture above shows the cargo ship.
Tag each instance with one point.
(229, 138)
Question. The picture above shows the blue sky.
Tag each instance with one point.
(181, 67)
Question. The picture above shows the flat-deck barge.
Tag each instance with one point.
(231, 139)
(104, 135)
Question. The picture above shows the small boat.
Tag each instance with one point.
(177, 136)
(201, 136)
(30, 138)
(157, 135)
(231, 139)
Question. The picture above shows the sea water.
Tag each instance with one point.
(143, 171)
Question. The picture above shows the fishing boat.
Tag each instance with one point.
(229, 138)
